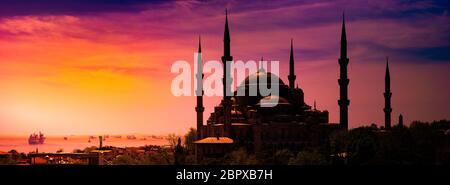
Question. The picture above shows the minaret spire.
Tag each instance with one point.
(343, 80)
(199, 108)
(226, 36)
(291, 76)
(387, 97)
(387, 76)
(199, 44)
(261, 65)
(227, 80)
(343, 38)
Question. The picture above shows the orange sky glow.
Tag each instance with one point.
(109, 73)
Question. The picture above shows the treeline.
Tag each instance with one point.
(420, 143)
(11, 157)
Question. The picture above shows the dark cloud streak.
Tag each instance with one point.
(72, 7)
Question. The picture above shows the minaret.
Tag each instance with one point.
(387, 97)
(343, 80)
(226, 101)
(291, 76)
(400, 120)
(199, 108)
(261, 67)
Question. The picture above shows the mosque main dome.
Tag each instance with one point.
(254, 82)
(255, 78)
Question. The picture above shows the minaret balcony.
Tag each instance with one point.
(292, 77)
(343, 82)
(387, 94)
(387, 110)
(199, 109)
(343, 102)
(343, 62)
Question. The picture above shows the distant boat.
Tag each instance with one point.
(65, 138)
(131, 137)
(35, 139)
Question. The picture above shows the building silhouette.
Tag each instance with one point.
(291, 76)
(199, 108)
(227, 80)
(343, 80)
(400, 120)
(243, 121)
(387, 98)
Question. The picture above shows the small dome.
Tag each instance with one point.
(276, 100)
(233, 100)
(236, 113)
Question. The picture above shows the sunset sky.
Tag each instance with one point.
(97, 67)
